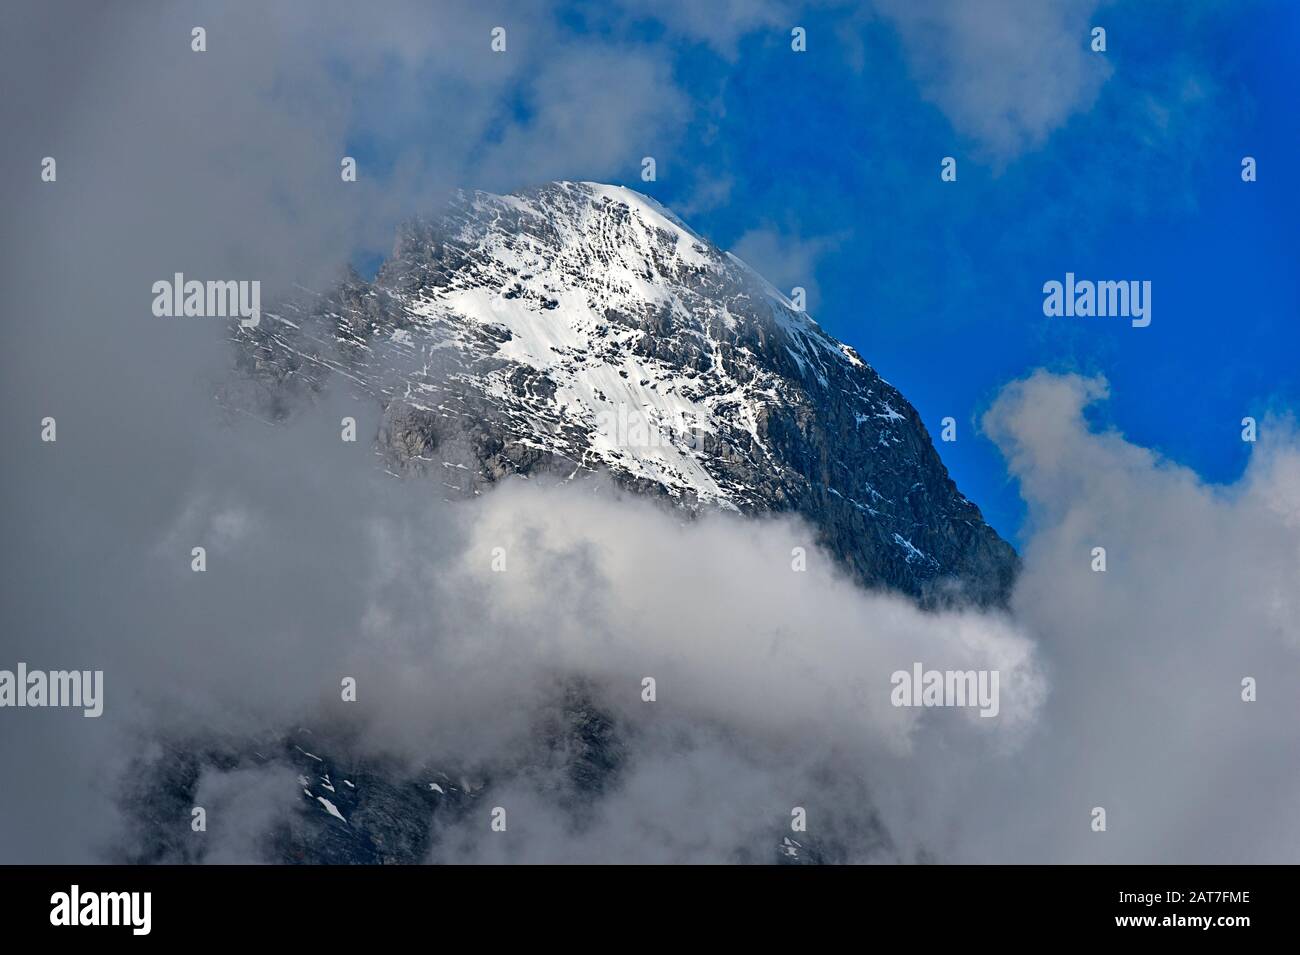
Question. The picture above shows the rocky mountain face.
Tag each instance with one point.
(579, 328)
(343, 808)
(568, 331)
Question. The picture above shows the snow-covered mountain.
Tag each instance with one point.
(568, 331)
(578, 328)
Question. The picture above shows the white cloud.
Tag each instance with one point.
(1006, 73)
(227, 161)
(1119, 689)
(720, 24)
(787, 259)
(1202, 589)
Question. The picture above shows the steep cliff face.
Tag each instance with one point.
(578, 328)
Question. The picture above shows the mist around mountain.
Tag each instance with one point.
(524, 561)
(580, 336)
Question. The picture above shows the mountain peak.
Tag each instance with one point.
(578, 327)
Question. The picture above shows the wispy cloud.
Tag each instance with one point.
(787, 259)
(1006, 73)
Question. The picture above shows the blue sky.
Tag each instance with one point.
(822, 168)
